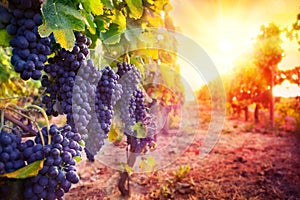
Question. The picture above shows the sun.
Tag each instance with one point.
(225, 46)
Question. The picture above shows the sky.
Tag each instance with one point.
(227, 28)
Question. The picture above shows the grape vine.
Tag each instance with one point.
(49, 43)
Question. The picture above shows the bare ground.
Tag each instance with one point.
(242, 165)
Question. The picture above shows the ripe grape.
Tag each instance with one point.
(10, 156)
(104, 94)
(92, 105)
(129, 80)
(5, 17)
(59, 171)
(60, 78)
(132, 108)
(30, 51)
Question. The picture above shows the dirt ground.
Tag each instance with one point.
(242, 165)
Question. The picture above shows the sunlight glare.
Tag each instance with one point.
(225, 46)
(286, 89)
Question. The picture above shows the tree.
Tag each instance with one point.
(247, 85)
(267, 55)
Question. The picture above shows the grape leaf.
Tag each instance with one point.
(93, 6)
(147, 164)
(26, 171)
(150, 1)
(128, 169)
(120, 19)
(135, 8)
(112, 35)
(90, 20)
(81, 143)
(77, 159)
(101, 23)
(108, 4)
(61, 20)
(169, 76)
(112, 134)
(4, 38)
(139, 130)
(116, 27)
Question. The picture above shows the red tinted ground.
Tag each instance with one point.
(243, 165)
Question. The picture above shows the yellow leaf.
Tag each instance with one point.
(128, 169)
(97, 8)
(148, 164)
(26, 171)
(112, 134)
(65, 38)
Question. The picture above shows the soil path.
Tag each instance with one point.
(242, 165)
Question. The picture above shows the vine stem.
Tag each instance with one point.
(46, 119)
(124, 176)
(20, 124)
(7, 106)
(2, 120)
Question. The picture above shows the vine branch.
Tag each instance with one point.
(20, 124)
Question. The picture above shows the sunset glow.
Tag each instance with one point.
(286, 89)
(225, 46)
(226, 29)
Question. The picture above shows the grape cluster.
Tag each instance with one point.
(84, 97)
(133, 109)
(106, 94)
(30, 51)
(60, 78)
(5, 17)
(137, 106)
(129, 79)
(59, 171)
(10, 157)
(138, 112)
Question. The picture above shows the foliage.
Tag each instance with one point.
(11, 86)
(288, 107)
(176, 184)
(292, 75)
(267, 50)
(105, 22)
(247, 85)
(27, 171)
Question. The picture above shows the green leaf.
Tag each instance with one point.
(91, 25)
(140, 130)
(61, 20)
(112, 35)
(81, 143)
(27, 171)
(101, 23)
(77, 159)
(108, 4)
(116, 28)
(93, 6)
(136, 8)
(4, 38)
